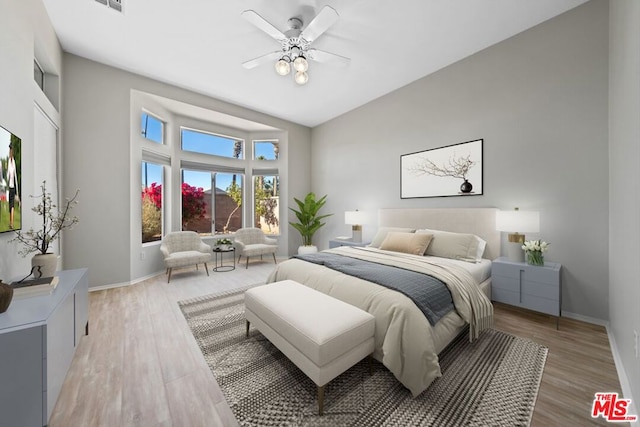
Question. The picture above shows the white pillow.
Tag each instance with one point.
(462, 246)
(409, 243)
(382, 233)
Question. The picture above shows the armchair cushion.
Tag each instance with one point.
(182, 248)
(252, 241)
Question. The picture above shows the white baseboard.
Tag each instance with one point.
(587, 319)
(119, 285)
(622, 375)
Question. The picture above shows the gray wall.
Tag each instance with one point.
(539, 100)
(624, 184)
(96, 107)
(24, 28)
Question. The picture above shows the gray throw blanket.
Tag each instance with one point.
(429, 294)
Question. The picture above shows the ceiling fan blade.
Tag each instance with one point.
(321, 23)
(261, 60)
(263, 24)
(327, 57)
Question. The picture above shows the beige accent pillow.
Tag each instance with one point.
(382, 233)
(462, 246)
(409, 243)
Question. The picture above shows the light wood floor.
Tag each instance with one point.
(140, 365)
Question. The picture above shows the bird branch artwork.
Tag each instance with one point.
(436, 172)
(457, 167)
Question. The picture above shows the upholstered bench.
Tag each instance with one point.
(321, 335)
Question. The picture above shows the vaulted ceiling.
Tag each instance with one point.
(200, 45)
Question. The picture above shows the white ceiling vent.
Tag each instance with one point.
(113, 4)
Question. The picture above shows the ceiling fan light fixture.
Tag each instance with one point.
(282, 67)
(301, 77)
(301, 64)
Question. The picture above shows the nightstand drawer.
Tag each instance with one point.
(530, 272)
(504, 295)
(532, 302)
(542, 305)
(542, 290)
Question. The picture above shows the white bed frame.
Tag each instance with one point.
(478, 221)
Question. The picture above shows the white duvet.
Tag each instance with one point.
(405, 341)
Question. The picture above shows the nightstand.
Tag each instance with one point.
(534, 287)
(337, 243)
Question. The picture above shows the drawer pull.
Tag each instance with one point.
(520, 285)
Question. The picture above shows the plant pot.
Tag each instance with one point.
(48, 264)
(6, 295)
(303, 250)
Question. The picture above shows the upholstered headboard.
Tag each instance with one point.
(478, 221)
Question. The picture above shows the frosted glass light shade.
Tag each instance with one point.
(301, 77)
(517, 221)
(283, 67)
(300, 64)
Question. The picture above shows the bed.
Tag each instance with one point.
(406, 341)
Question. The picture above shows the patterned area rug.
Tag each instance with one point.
(493, 381)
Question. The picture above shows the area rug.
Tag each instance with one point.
(493, 381)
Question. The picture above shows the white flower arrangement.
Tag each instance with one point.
(225, 242)
(535, 245)
(534, 250)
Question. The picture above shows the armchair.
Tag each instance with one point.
(252, 242)
(182, 248)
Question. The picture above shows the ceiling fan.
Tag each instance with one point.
(295, 44)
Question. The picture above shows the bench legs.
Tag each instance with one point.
(247, 333)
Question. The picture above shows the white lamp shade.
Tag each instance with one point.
(354, 217)
(517, 221)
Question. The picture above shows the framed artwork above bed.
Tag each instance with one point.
(453, 170)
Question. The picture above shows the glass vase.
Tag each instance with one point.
(534, 258)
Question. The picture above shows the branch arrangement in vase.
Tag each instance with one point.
(54, 220)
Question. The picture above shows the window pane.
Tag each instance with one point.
(265, 150)
(152, 128)
(151, 202)
(267, 203)
(228, 202)
(207, 143)
(196, 201)
(38, 74)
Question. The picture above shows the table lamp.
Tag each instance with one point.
(516, 222)
(355, 219)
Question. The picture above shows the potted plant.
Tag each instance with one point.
(53, 221)
(308, 220)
